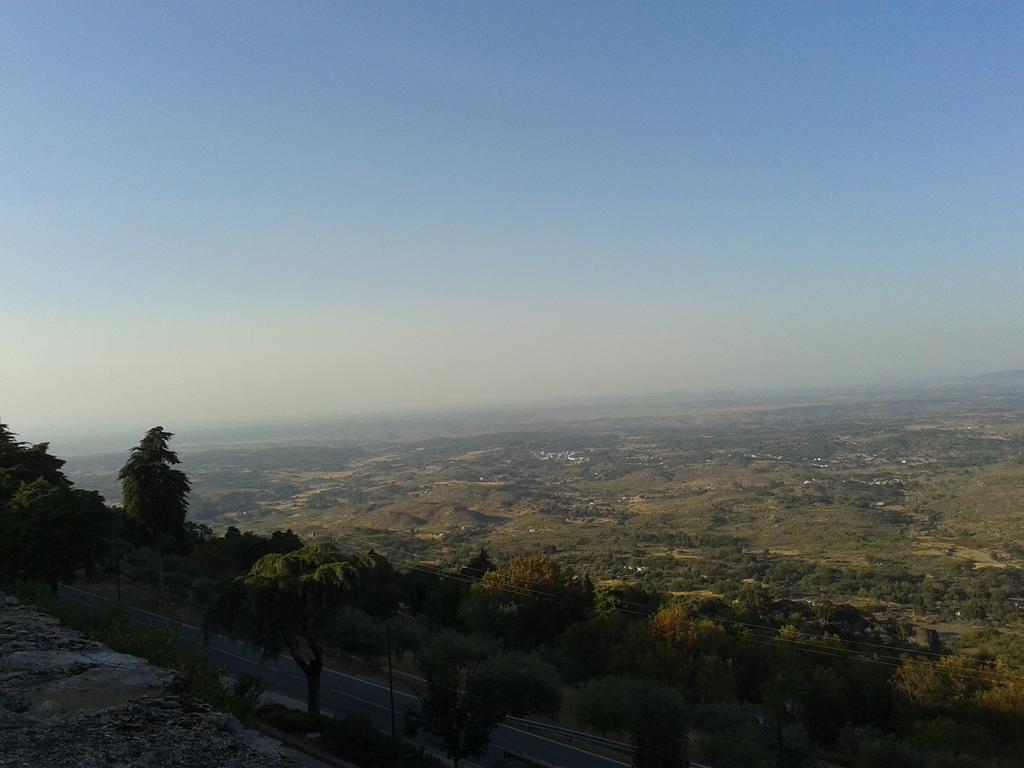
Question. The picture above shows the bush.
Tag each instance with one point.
(143, 574)
(870, 748)
(248, 689)
(161, 647)
(204, 591)
(355, 739)
(351, 738)
(177, 583)
(732, 736)
(290, 720)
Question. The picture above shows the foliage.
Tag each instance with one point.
(470, 689)
(350, 738)
(675, 625)
(532, 600)
(155, 493)
(479, 565)
(286, 603)
(740, 640)
(50, 529)
(730, 735)
(655, 716)
(22, 464)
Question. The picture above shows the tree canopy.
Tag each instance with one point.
(50, 529)
(654, 715)
(155, 493)
(287, 603)
(471, 688)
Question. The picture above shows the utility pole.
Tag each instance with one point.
(391, 680)
(765, 719)
(778, 730)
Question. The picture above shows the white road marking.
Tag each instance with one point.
(360, 698)
(371, 682)
(565, 746)
(350, 677)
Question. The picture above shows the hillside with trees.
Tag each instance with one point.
(752, 678)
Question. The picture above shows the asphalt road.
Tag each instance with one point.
(343, 694)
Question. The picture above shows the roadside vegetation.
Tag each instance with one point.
(161, 647)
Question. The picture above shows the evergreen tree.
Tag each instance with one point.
(156, 494)
(21, 463)
(50, 529)
(54, 531)
(479, 565)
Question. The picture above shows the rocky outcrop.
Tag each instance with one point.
(67, 701)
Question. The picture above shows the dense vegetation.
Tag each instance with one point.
(729, 676)
(905, 504)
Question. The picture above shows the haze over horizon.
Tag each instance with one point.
(236, 211)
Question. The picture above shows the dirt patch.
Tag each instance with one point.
(928, 546)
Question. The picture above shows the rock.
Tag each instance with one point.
(67, 701)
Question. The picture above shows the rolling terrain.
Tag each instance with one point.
(909, 501)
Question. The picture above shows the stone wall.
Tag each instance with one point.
(69, 702)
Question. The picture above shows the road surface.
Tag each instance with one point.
(343, 694)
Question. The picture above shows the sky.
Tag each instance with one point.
(218, 212)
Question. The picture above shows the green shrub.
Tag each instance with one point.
(177, 583)
(290, 720)
(248, 689)
(351, 738)
(870, 748)
(143, 574)
(205, 590)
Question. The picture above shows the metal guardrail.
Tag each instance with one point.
(573, 734)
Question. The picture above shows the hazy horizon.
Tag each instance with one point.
(414, 424)
(238, 212)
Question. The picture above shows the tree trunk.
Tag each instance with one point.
(313, 685)
(311, 669)
(778, 730)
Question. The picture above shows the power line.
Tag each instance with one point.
(774, 641)
(645, 611)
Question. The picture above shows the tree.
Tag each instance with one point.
(532, 600)
(117, 550)
(654, 715)
(470, 689)
(156, 494)
(479, 565)
(51, 531)
(21, 463)
(754, 603)
(677, 627)
(939, 686)
(287, 603)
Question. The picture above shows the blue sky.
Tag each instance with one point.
(232, 211)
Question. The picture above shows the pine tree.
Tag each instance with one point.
(155, 493)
